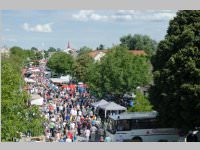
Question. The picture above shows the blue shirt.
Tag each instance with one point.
(67, 117)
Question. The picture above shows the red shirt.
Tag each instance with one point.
(70, 136)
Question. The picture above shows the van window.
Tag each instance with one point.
(124, 125)
(144, 123)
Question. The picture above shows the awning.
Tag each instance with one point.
(99, 103)
(36, 100)
(112, 106)
(27, 80)
(65, 86)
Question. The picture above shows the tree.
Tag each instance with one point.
(16, 116)
(176, 90)
(61, 63)
(34, 49)
(51, 49)
(58, 49)
(46, 54)
(38, 55)
(101, 47)
(139, 42)
(80, 67)
(141, 104)
(84, 50)
(119, 72)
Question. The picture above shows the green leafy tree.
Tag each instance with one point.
(38, 55)
(119, 72)
(61, 63)
(34, 49)
(101, 47)
(84, 50)
(46, 54)
(51, 49)
(176, 90)
(16, 115)
(58, 49)
(139, 42)
(141, 104)
(80, 67)
(94, 78)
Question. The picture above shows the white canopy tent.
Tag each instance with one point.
(62, 79)
(111, 106)
(66, 78)
(36, 100)
(99, 103)
(27, 80)
(34, 69)
(56, 80)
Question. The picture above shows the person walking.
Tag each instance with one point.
(93, 133)
(87, 135)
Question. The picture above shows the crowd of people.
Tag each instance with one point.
(68, 112)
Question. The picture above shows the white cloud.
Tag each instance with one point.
(38, 27)
(121, 17)
(83, 15)
(125, 15)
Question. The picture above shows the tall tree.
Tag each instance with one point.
(84, 50)
(119, 72)
(61, 63)
(141, 104)
(176, 90)
(34, 49)
(101, 47)
(51, 49)
(139, 42)
(80, 67)
(16, 116)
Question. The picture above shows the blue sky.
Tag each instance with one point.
(46, 28)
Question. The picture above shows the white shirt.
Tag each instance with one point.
(80, 113)
(72, 125)
(64, 123)
(53, 119)
(68, 140)
(87, 132)
(61, 107)
(47, 116)
(72, 112)
(75, 113)
(54, 106)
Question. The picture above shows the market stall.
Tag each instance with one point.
(112, 107)
(36, 100)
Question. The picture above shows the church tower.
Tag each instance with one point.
(68, 45)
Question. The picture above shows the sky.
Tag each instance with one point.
(54, 28)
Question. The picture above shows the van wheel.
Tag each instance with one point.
(137, 139)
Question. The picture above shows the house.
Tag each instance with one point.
(98, 54)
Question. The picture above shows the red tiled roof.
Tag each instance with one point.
(95, 52)
(136, 52)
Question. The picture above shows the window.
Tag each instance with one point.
(124, 125)
(146, 123)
